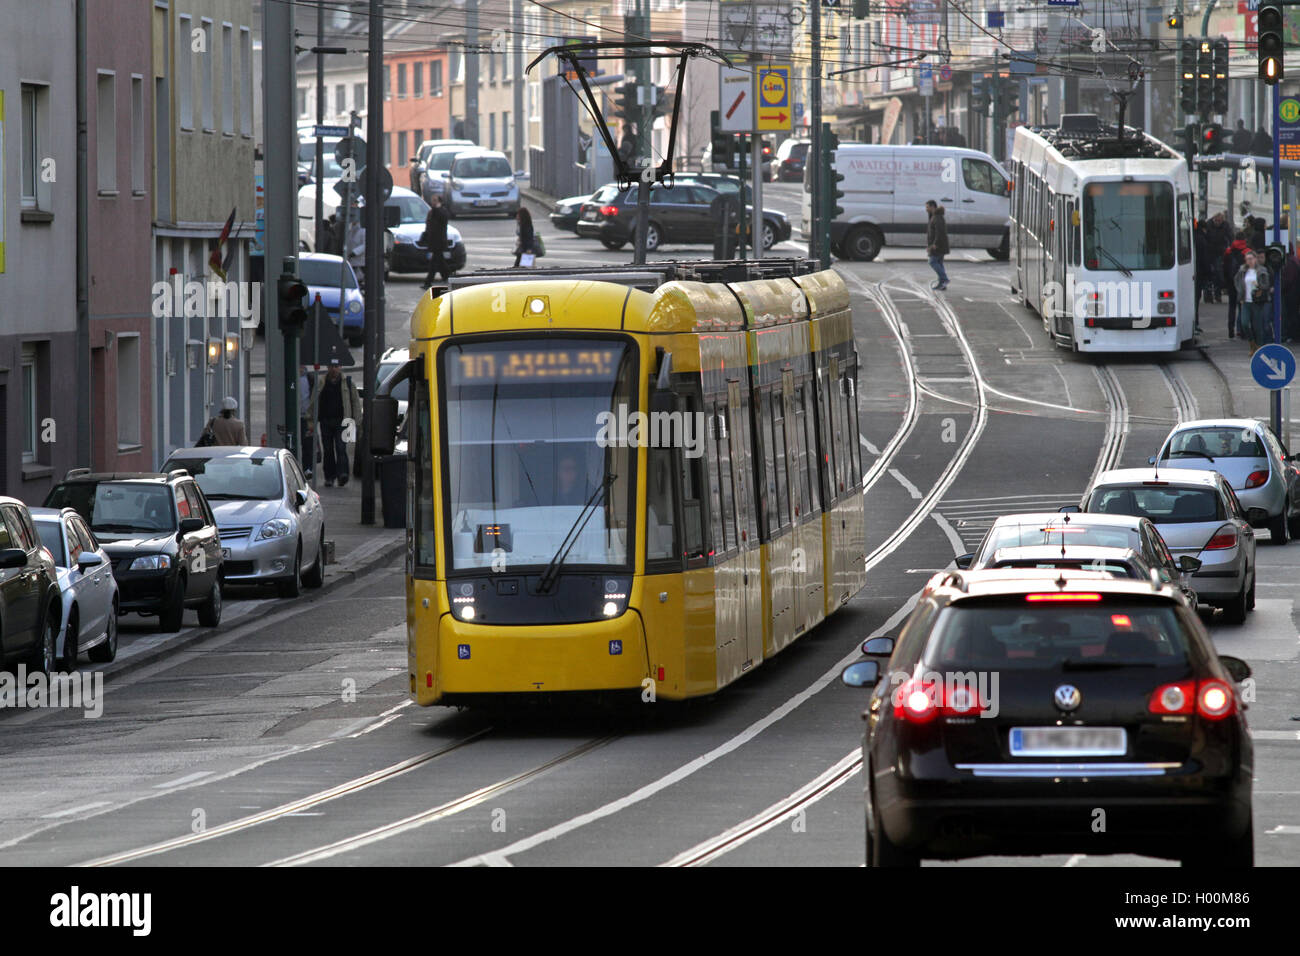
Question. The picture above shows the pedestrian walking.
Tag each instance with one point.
(335, 404)
(1218, 236)
(304, 420)
(1242, 139)
(1201, 261)
(1233, 258)
(525, 247)
(434, 238)
(1254, 292)
(226, 428)
(355, 250)
(936, 242)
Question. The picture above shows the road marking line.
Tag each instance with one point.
(954, 539)
(868, 446)
(1284, 830)
(1275, 735)
(1074, 860)
(73, 811)
(181, 781)
(911, 488)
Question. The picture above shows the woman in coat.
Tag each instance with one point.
(1254, 285)
(524, 244)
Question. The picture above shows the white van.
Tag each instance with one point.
(885, 190)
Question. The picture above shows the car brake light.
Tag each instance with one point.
(1215, 700)
(919, 702)
(1256, 479)
(609, 210)
(1062, 597)
(1219, 542)
(1173, 698)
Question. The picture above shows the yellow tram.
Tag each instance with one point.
(627, 480)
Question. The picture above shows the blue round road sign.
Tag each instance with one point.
(1273, 366)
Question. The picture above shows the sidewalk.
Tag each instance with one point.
(1231, 359)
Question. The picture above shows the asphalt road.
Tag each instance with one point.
(288, 739)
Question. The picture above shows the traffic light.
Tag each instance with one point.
(1219, 64)
(1192, 140)
(1187, 82)
(625, 103)
(290, 292)
(1213, 139)
(861, 9)
(1204, 78)
(1271, 68)
(979, 95)
(1175, 21)
(722, 142)
(1008, 96)
(831, 178)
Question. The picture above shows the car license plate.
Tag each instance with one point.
(225, 554)
(485, 202)
(589, 214)
(1069, 741)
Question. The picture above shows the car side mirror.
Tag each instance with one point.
(1257, 516)
(1188, 564)
(191, 525)
(861, 674)
(1151, 460)
(300, 496)
(963, 561)
(13, 558)
(1069, 509)
(878, 646)
(88, 559)
(1235, 666)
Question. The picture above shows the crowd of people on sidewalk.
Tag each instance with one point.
(1231, 263)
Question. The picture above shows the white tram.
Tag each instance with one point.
(1101, 236)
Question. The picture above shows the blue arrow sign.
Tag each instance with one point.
(1273, 366)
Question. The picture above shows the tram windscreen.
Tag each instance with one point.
(528, 446)
(1128, 225)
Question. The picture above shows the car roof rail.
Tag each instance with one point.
(75, 473)
(178, 473)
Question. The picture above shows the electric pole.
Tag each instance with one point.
(815, 150)
(374, 252)
(281, 181)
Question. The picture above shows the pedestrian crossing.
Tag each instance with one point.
(971, 517)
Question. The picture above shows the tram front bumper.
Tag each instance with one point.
(490, 659)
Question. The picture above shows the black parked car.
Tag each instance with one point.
(31, 608)
(681, 213)
(1019, 703)
(160, 535)
(776, 224)
(565, 213)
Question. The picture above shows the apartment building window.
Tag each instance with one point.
(388, 149)
(340, 99)
(137, 135)
(128, 392)
(435, 133)
(185, 70)
(505, 131)
(417, 80)
(30, 385)
(246, 81)
(401, 81)
(358, 96)
(492, 67)
(106, 132)
(402, 154)
(205, 79)
(492, 131)
(302, 101)
(228, 79)
(435, 78)
(162, 156)
(388, 83)
(453, 66)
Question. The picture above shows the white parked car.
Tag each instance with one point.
(89, 591)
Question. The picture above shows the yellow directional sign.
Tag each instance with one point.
(774, 109)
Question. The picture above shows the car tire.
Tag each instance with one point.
(863, 243)
(1250, 595)
(1279, 527)
(1234, 853)
(172, 614)
(884, 852)
(41, 659)
(1293, 526)
(612, 245)
(291, 587)
(1234, 612)
(315, 578)
(769, 234)
(653, 236)
(210, 610)
(105, 652)
(70, 639)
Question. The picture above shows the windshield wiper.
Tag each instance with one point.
(220, 497)
(571, 537)
(1073, 664)
(1188, 451)
(118, 527)
(1118, 265)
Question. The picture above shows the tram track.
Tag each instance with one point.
(1186, 408)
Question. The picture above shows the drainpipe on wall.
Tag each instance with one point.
(83, 253)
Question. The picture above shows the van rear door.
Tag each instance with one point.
(984, 206)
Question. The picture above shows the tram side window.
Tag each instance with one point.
(830, 457)
(660, 525)
(420, 479)
(807, 416)
(727, 504)
(1072, 233)
(1184, 229)
(767, 504)
(715, 483)
(779, 449)
(693, 485)
(800, 455)
(854, 442)
(744, 470)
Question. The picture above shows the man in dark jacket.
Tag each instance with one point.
(936, 242)
(1218, 236)
(1242, 139)
(434, 238)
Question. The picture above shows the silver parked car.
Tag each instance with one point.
(481, 181)
(88, 623)
(1117, 562)
(1198, 516)
(272, 523)
(1247, 453)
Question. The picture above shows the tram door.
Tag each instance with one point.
(796, 487)
(742, 467)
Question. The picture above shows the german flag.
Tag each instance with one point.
(216, 261)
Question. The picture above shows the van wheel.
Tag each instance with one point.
(863, 243)
(1003, 252)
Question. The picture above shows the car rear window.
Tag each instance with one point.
(1021, 634)
(1162, 504)
(1217, 443)
(605, 194)
(51, 532)
(1118, 568)
(1058, 533)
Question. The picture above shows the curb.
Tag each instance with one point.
(1227, 386)
(345, 575)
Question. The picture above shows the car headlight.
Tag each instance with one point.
(455, 184)
(151, 562)
(354, 307)
(275, 528)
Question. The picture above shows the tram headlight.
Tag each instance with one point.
(467, 612)
(615, 602)
(463, 605)
(610, 609)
